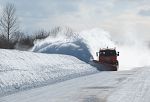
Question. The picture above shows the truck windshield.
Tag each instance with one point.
(107, 53)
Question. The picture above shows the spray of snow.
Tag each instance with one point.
(63, 43)
(84, 45)
(96, 39)
(134, 52)
(133, 56)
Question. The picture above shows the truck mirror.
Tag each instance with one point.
(96, 53)
(117, 53)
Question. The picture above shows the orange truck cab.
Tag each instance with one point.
(108, 57)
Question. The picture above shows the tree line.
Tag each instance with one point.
(10, 34)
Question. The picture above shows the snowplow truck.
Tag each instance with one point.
(108, 58)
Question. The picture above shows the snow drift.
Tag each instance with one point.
(21, 70)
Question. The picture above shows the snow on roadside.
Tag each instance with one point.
(21, 70)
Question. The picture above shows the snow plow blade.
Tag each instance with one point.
(105, 66)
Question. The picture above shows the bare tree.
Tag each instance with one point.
(8, 21)
(41, 34)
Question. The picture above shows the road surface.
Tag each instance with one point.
(121, 86)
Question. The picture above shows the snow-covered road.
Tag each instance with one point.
(134, 89)
(121, 86)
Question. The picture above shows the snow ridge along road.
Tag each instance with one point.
(20, 70)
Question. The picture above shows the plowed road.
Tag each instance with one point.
(121, 86)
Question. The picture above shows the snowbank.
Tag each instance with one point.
(21, 70)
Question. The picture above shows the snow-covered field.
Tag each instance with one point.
(20, 70)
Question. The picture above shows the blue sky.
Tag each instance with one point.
(115, 16)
